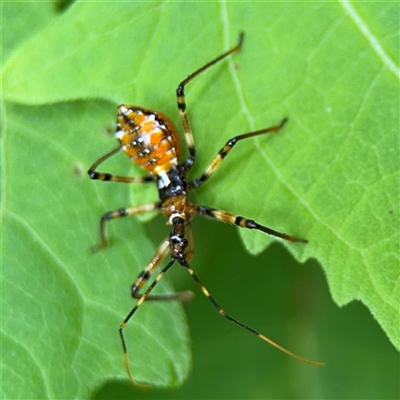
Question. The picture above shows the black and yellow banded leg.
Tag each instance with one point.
(105, 176)
(180, 94)
(216, 162)
(122, 212)
(235, 321)
(141, 300)
(243, 222)
(144, 276)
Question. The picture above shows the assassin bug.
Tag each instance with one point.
(151, 140)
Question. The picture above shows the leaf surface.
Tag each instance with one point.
(330, 176)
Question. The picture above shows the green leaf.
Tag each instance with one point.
(62, 304)
(22, 20)
(330, 176)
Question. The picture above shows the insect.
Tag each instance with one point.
(151, 140)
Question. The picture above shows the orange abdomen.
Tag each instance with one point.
(150, 138)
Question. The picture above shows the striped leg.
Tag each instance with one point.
(141, 300)
(228, 147)
(180, 94)
(144, 276)
(104, 176)
(235, 321)
(122, 212)
(225, 216)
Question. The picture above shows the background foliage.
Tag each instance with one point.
(331, 176)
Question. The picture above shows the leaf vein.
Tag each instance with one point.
(372, 40)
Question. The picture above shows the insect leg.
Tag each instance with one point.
(141, 300)
(190, 252)
(243, 222)
(105, 176)
(216, 162)
(235, 321)
(122, 212)
(144, 276)
(180, 94)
